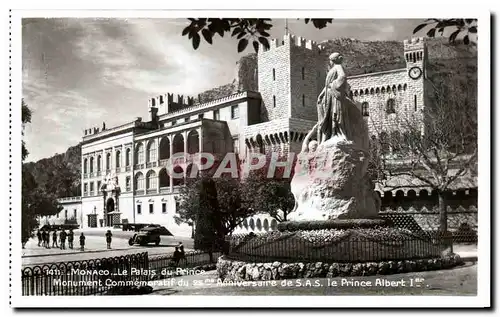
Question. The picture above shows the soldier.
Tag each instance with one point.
(108, 239)
(54, 239)
(70, 238)
(82, 241)
(62, 236)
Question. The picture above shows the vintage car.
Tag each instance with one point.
(149, 234)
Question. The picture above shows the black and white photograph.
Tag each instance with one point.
(167, 154)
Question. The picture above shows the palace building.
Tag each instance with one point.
(124, 178)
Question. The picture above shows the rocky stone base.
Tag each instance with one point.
(230, 270)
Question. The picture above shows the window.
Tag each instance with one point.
(65, 214)
(127, 183)
(92, 188)
(391, 106)
(151, 180)
(98, 163)
(139, 154)
(235, 112)
(163, 208)
(85, 189)
(152, 153)
(118, 159)
(139, 182)
(98, 186)
(91, 165)
(274, 101)
(177, 206)
(364, 109)
(303, 100)
(153, 102)
(161, 99)
(127, 158)
(274, 74)
(151, 208)
(236, 145)
(216, 115)
(108, 161)
(303, 73)
(85, 162)
(415, 102)
(74, 213)
(139, 211)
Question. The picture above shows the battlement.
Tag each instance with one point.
(171, 102)
(415, 43)
(290, 40)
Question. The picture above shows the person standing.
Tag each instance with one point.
(108, 239)
(82, 241)
(54, 239)
(71, 236)
(39, 236)
(62, 236)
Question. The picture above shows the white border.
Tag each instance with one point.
(381, 11)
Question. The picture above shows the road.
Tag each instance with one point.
(95, 247)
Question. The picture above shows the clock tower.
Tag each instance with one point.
(415, 51)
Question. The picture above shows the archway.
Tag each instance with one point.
(110, 208)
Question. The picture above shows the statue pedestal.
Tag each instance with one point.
(332, 183)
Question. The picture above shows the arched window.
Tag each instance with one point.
(274, 224)
(266, 225)
(252, 224)
(118, 159)
(108, 161)
(391, 106)
(139, 181)
(151, 180)
(164, 178)
(164, 148)
(98, 163)
(85, 162)
(151, 155)
(91, 165)
(259, 224)
(139, 154)
(127, 157)
(364, 109)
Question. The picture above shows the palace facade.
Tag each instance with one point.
(124, 178)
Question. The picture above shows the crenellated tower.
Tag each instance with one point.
(167, 103)
(291, 74)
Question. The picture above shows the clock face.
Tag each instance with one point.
(415, 72)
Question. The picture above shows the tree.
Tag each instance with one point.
(269, 195)
(26, 118)
(219, 199)
(35, 201)
(245, 30)
(466, 27)
(439, 144)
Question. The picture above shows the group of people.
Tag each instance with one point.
(179, 253)
(59, 239)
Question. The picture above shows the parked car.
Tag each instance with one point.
(149, 234)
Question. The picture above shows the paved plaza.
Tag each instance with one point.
(95, 247)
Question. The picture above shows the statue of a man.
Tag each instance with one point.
(330, 101)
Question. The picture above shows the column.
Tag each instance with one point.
(185, 135)
(170, 139)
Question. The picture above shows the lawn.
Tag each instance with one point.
(459, 281)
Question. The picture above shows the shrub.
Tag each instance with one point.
(332, 224)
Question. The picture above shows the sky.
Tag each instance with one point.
(78, 73)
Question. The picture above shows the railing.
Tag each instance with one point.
(88, 277)
(164, 189)
(163, 162)
(99, 173)
(79, 278)
(127, 168)
(139, 192)
(118, 169)
(151, 191)
(139, 166)
(150, 164)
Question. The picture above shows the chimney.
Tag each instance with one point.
(154, 114)
(103, 126)
(85, 131)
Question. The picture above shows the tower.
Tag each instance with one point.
(291, 74)
(415, 51)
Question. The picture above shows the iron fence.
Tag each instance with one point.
(88, 277)
(288, 247)
(100, 276)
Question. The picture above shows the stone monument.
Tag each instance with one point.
(330, 179)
